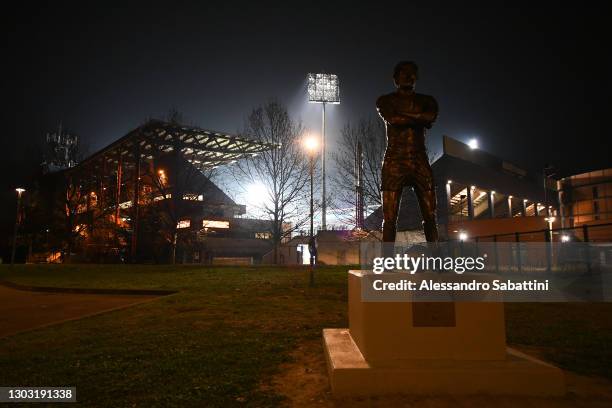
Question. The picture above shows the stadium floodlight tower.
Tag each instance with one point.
(323, 89)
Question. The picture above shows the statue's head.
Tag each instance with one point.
(405, 74)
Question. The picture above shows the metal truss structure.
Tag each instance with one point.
(117, 175)
(203, 148)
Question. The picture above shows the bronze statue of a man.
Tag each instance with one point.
(407, 114)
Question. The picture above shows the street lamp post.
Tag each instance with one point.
(547, 172)
(311, 200)
(311, 144)
(19, 191)
(549, 245)
(323, 89)
(550, 221)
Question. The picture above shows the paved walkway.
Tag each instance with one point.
(23, 310)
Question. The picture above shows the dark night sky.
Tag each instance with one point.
(531, 83)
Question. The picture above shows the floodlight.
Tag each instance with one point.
(323, 88)
(311, 143)
(473, 143)
(463, 236)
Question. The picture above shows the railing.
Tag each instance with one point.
(582, 233)
(586, 247)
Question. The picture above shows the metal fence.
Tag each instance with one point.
(586, 248)
(582, 233)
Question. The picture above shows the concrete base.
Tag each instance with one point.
(518, 374)
(390, 331)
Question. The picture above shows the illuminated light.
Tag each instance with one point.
(81, 229)
(565, 238)
(473, 143)
(257, 193)
(473, 188)
(20, 190)
(524, 200)
(550, 220)
(449, 182)
(183, 224)
(311, 144)
(163, 179)
(323, 88)
(215, 224)
(510, 197)
(463, 236)
(492, 191)
(54, 257)
(193, 197)
(81, 208)
(162, 197)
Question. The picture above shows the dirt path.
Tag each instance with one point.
(304, 383)
(22, 310)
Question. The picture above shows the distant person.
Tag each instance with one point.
(312, 248)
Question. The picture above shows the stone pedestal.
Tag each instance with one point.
(416, 348)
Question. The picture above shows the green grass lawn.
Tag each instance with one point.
(227, 331)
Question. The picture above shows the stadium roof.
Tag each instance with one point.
(203, 148)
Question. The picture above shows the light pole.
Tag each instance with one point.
(19, 191)
(311, 201)
(550, 221)
(311, 144)
(323, 89)
(547, 172)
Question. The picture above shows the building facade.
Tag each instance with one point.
(586, 201)
(148, 197)
(476, 193)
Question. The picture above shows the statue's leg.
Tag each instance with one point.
(391, 202)
(426, 195)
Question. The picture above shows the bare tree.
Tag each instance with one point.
(173, 189)
(371, 134)
(283, 173)
(81, 213)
